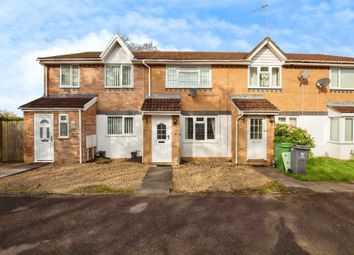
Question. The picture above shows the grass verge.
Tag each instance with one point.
(327, 169)
(273, 187)
(100, 189)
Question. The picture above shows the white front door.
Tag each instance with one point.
(257, 138)
(161, 139)
(44, 150)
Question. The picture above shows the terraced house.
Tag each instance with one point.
(168, 106)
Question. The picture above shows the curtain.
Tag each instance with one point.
(211, 128)
(334, 129)
(253, 76)
(347, 78)
(334, 77)
(275, 77)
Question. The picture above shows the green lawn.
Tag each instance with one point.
(328, 169)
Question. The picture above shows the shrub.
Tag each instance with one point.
(290, 134)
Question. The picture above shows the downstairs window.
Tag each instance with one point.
(120, 125)
(200, 128)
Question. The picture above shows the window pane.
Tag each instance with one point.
(293, 121)
(112, 76)
(200, 119)
(172, 76)
(211, 128)
(48, 132)
(281, 120)
(41, 132)
(161, 131)
(63, 129)
(205, 76)
(334, 129)
(256, 129)
(334, 77)
(349, 129)
(126, 75)
(253, 76)
(128, 125)
(75, 76)
(275, 76)
(63, 117)
(189, 128)
(188, 77)
(347, 78)
(114, 125)
(65, 75)
(264, 79)
(199, 131)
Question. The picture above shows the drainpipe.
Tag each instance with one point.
(149, 76)
(237, 119)
(80, 136)
(45, 80)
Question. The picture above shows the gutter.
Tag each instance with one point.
(149, 76)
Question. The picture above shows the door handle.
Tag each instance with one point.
(51, 138)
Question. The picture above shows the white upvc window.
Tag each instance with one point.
(118, 76)
(188, 77)
(264, 77)
(348, 129)
(120, 125)
(69, 76)
(290, 120)
(63, 125)
(200, 128)
(342, 78)
(334, 129)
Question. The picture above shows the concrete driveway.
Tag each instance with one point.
(7, 169)
(268, 224)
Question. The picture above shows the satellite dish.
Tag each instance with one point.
(304, 75)
(322, 83)
(192, 92)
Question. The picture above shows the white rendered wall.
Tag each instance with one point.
(318, 127)
(221, 147)
(119, 146)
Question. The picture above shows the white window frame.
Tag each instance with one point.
(205, 121)
(123, 125)
(344, 119)
(120, 76)
(270, 71)
(339, 79)
(199, 86)
(339, 130)
(287, 120)
(67, 123)
(71, 77)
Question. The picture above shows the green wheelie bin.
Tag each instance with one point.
(279, 148)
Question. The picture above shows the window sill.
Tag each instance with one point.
(132, 135)
(342, 143)
(119, 88)
(63, 137)
(67, 87)
(339, 89)
(188, 87)
(200, 142)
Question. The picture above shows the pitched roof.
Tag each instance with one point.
(344, 108)
(59, 102)
(254, 105)
(202, 55)
(162, 104)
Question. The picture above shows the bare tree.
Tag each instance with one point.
(147, 46)
(6, 114)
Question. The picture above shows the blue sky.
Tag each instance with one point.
(29, 29)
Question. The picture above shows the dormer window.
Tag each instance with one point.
(69, 76)
(264, 77)
(118, 76)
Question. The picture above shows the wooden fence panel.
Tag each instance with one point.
(12, 140)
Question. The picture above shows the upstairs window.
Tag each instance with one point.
(69, 76)
(200, 128)
(342, 78)
(120, 125)
(118, 76)
(188, 77)
(264, 77)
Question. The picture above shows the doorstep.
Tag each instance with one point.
(157, 181)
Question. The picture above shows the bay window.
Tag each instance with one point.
(118, 76)
(348, 133)
(200, 128)
(334, 136)
(188, 77)
(264, 77)
(120, 125)
(69, 76)
(342, 78)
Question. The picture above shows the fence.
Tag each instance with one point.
(11, 140)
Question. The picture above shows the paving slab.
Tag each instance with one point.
(324, 187)
(157, 181)
(8, 169)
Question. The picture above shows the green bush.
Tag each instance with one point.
(290, 134)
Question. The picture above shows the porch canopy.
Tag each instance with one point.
(52, 102)
(162, 104)
(254, 104)
(341, 108)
